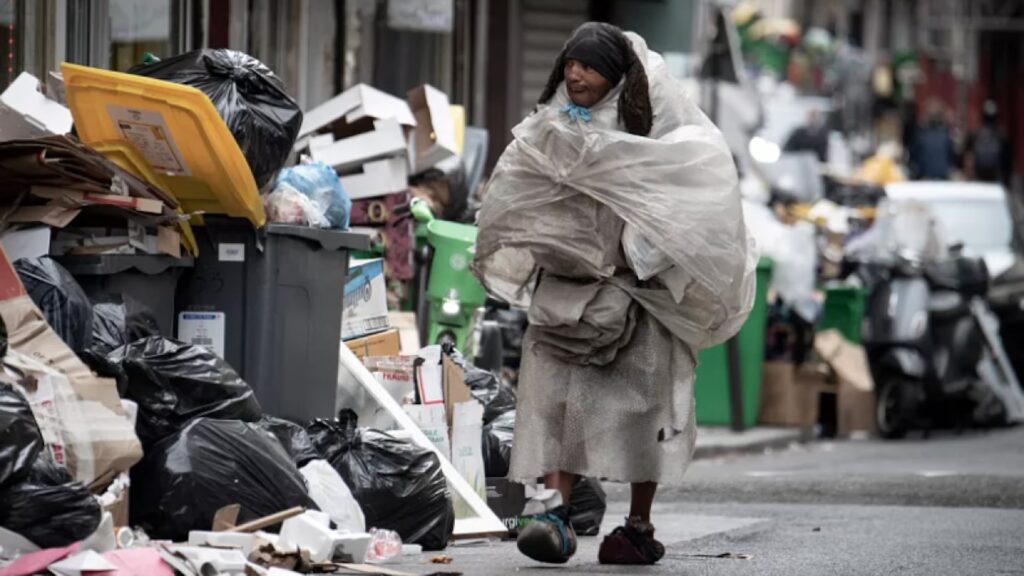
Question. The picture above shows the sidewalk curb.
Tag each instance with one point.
(755, 446)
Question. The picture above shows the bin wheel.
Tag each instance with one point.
(891, 408)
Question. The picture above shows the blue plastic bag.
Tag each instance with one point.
(318, 182)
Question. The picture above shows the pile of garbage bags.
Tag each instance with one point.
(399, 485)
(41, 501)
(186, 477)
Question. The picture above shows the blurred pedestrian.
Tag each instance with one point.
(933, 152)
(988, 155)
(811, 137)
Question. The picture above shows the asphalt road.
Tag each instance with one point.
(949, 505)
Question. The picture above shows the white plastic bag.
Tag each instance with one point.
(286, 205)
(333, 496)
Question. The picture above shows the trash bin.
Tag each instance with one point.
(269, 301)
(151, 280)
(712, 384)
(844, 311)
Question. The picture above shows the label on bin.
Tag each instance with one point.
(148, 133)
(202, 329)
(231, 252)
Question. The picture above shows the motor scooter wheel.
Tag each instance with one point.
(891, 408)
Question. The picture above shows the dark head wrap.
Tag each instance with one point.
(598, 47)
(607, 50)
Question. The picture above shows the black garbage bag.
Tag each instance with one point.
(50, 516)
(252, 100)
(174, 383)
(497, 439)
(399, 485)
(46, 471)
(486, 387)
(62, 300)
(184, 479)
(3, 338)
(20, 439)
(589, 503)
(118, 320)
(293, 438)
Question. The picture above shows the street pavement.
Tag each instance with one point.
(953, 504)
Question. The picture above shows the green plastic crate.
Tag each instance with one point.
(844, 311)
(712, 385)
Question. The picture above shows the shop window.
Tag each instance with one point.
(117, 34)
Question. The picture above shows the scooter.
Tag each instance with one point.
(929, 341)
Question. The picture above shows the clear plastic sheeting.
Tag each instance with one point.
(566, 195)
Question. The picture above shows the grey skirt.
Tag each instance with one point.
(629, 421)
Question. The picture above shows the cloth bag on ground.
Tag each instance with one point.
(253, 102)
(585, 225)
(175, 383)
(62, 300)
(399, 485)
(187, 477)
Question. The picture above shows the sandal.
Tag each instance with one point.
(549, 537)
(632, 544)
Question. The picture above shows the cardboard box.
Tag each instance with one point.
(386, 139)
(455, 390)
(434, 136)
(855, 392)
(789, 394)
(408, 331)
(26, 113)
(376, 345)
(366, 300)
(377, 178)
(354, 105)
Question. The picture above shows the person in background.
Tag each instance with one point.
(812, 137)
(933, 153)
(988, 155)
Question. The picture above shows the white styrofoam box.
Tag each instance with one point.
(377, 178)
(26, 113)
(360, 101)
(386, 139)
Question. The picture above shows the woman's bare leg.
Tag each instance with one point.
(642, 499)
(561, 481)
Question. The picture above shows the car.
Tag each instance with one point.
(975, 214)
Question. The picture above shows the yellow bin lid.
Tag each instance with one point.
(175, 128)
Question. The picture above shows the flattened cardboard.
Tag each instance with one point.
(27, 243)
(54, 215)
(77, 197)
(455, 389)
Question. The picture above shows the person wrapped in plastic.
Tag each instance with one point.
(614, 218)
